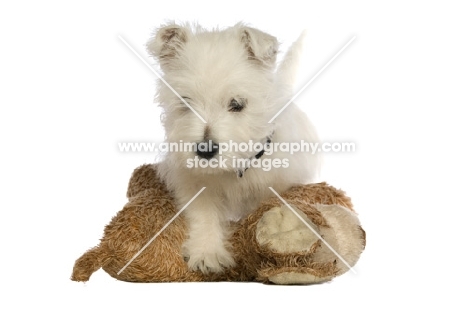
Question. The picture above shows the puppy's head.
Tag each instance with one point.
(227, 79)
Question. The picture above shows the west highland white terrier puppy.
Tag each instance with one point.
(223, 88)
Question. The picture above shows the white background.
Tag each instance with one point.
(70, 91)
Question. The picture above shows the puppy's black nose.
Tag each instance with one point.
(207, 149)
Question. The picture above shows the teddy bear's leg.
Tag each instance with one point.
(292, 242)
(300, 244)
(345, 232)
(88, 263)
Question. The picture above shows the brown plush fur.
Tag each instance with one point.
(150, 207)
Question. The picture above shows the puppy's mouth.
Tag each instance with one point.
(213, 156)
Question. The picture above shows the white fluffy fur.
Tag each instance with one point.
(210, 68)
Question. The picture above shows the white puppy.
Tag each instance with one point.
(230, 78)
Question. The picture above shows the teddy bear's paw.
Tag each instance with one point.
(283, 231)
(208, 260)
(299, 275)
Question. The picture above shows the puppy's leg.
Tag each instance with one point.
(206, 246)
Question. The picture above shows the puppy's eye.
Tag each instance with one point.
(236, 105)
(187, 99)
(182, 104)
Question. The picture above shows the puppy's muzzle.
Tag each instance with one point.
(207, 149)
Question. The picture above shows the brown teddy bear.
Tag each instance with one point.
(309, 235)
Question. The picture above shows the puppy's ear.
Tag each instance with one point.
(260, 46)
(167, 42)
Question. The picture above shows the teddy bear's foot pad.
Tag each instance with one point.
(299, 275)
(284, 232)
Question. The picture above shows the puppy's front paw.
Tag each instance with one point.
(208, 259)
